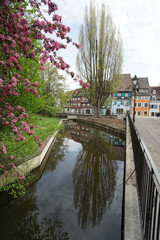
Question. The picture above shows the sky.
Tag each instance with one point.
(139, 24)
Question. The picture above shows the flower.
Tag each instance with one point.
(42, 68)
(3, 167)
(6, 173)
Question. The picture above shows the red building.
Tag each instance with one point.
(79, 104)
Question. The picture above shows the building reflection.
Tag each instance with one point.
(94, 176)
(83, 133)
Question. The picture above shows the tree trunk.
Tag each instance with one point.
(97, 110)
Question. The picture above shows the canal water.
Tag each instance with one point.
(77, 197)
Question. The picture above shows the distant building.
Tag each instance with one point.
(142, 98)
(155, 101)
(121, 102)
(79, 104)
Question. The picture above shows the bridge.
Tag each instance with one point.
(145, 142)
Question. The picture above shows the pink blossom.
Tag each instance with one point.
(2, 62)
(42, 68)
(22, 177)
(4, 149)
(2, 166)
(2, 37)
(78, 46)
(6, 173)
(32, 55)
(1, 82)
(55, 17)
(35, 84)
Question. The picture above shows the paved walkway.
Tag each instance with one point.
(149, 130)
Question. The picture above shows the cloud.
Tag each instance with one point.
(138, 23)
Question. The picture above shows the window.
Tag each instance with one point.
(152, 114)
(118, 103)
(126, 94)
(139, 97)
(139, 104)
(145, 113)
(125, 103)
(119, 94)
(153, 106)
(87, 111)
(153, 98)
(146, 105)
(119, 111)
(154, 91)
(139, 113)
(79, 98)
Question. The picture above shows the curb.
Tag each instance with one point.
(132, 226)
(34, 162)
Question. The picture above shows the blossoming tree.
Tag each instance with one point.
(18, 35)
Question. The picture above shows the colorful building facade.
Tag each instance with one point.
(121, 102)
(154, 102)
(142, 98)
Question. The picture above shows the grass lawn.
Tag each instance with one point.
(47, 126)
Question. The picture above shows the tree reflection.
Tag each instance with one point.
(94, 178)
(45, 230)
(31, 229)
(19, 222)
(57, 153)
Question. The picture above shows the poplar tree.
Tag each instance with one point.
(99, 60)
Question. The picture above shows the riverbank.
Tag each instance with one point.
(31, 162)
(110, 121)
(29, 155)
(114, 126)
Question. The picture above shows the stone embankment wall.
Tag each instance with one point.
(114, 130)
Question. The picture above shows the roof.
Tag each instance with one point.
(143, 83)
(126, 82)
(155, 91)
(77, 92)
(143, 87)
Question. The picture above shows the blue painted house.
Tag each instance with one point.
(121, 102)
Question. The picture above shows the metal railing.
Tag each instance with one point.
(148, 187)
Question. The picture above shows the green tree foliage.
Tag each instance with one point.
(52, 93)
(31, 71)
(100, 58)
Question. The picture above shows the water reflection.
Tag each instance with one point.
(80, 188)
(57, 154)
(24, 221)
(94, 179)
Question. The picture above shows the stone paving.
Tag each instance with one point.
(149, 130)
